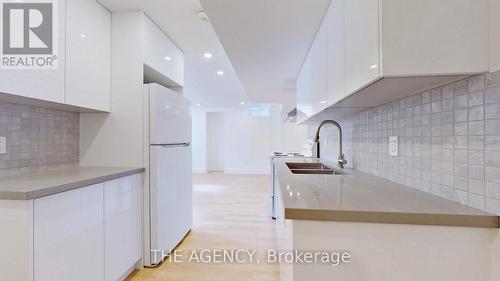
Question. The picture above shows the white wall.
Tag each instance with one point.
(199, 141)
(292, 137)
(105, 137)
(248, 142)
(215, 141)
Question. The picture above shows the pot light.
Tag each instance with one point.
(207, 55)
(198, 104)
(323, 101)
(220, 72)
(374, 66)
(82, 35)
(242, 103)
(168, 58)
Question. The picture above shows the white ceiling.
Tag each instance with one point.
(179, 19)
(266, 41)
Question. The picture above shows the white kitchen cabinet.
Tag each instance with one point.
(304, 96)
(335, 21)
(382, 50)
(122, 221)
(434, 37)
(319, 83)
(162, 55)
(88, 55)
(43, 84)
(494, 35)
(301, 92)
(82, 80)
(361, 43)
(88, 233)
(69, 235)
(313, 84)
(16, 256)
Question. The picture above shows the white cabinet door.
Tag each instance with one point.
(335, 21)
(494, 11)
(319, 83)
(304, 99)
(88, 61)
(300, 89)
(69, 236)
(43, 84)
(122, 225)
(161, 54)
(312, 82)
(361, 43)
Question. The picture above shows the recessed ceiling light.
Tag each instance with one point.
(168, 58)
(242, 103)
(374, 66)
(207, 55)
(322, 101)
(198, 104)
(220, 72)
(82, 35)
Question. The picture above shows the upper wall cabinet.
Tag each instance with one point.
(82, 79)
(361, 43)
(335, 26)
(382, 50)
(312, 89)
(494, 35)
(44, 84)
(162, 55)
(428, 37)
(303, 91)
(88, 55)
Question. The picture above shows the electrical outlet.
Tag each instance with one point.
(3, 145)
(393, 146)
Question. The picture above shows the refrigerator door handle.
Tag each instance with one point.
(167, 145)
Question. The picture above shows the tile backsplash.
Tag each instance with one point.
(37, 138)
(449, 141)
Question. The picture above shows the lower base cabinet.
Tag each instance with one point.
(122, 226)
(88, 234)
(69, 235)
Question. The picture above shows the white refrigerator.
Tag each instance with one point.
(168, 207)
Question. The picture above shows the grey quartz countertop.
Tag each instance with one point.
(360, 197)
(44, 183)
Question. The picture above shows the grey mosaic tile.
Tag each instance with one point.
(37, 138)
(449, 141)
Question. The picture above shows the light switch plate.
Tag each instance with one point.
(393, 146)
(3, 145)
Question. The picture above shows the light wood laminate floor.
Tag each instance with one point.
(230, 212)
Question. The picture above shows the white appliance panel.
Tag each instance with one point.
(171, 195)
(170, 116)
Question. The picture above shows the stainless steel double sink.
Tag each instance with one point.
(312, 169)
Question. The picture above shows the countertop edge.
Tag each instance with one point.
(30, 195)
(430, 219)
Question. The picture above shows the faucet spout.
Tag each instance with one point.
(341, 160)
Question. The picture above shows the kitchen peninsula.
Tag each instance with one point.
(384, 225)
